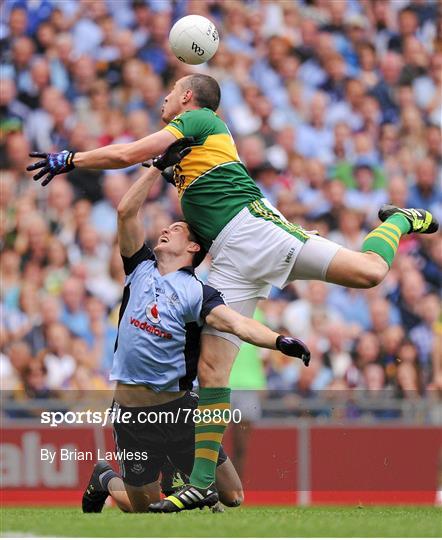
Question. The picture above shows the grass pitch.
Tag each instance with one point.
(248, 521)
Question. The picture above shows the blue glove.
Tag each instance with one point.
(293, 347)
(52, 164)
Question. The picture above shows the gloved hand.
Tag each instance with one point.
(173, 154)
(53, 164)
(293, 347)
(168, 175)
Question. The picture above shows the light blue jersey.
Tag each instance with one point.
(161, 318)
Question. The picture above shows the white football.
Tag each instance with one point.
(194, 39)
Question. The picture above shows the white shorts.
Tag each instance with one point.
(252, 253)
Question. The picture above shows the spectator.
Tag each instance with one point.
(337, 356)
(423, 335)
(407, 381)
(102, 335)
(50, 310)
(90, 251)
(349, 233)
(73, 314)
(413, 289)
(298, 316)
(425, 193)
(35, 381)
(103, 215)
(408, 23)
(373, 378)
(390, 67)
(17, 358)
(58, 362)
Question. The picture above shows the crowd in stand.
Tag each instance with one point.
(336, 108)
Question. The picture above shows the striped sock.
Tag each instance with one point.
(209, 431)
(106, 477)
(384, 240)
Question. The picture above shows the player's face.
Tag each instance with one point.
(174, 101)
(174, 240)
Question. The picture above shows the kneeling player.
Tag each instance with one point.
(163, 310)
(169, 450)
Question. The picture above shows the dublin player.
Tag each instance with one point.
(163, 309)
(252, 245)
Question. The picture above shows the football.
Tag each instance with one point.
(194, 39)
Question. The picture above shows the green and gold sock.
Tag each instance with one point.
(384, 240)
(210, 425)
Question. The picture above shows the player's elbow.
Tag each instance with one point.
(123, 211)
(127, 208)
(221, 320)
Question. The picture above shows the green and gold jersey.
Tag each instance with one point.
(213, 184)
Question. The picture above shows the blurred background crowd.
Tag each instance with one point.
(336, 108)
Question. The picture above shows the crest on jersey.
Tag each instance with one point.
(152, 313)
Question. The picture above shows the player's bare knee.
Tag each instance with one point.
(232, 498)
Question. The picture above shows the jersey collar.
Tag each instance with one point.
(188, 269)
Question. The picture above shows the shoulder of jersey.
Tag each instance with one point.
(190, 277)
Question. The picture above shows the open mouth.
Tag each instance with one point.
(163, 240)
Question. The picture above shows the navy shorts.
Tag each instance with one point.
(146, 448)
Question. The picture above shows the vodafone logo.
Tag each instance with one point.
(150, 329)
(153, 314)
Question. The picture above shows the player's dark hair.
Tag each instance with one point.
(206, 90)
(200, 255)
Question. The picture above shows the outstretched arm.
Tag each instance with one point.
(130, 227)
(225, 319)
(117, 156)
(114, 156)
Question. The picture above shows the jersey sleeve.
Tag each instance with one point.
(201, 299)
(211, 299)
(197, 123)
(130, 263)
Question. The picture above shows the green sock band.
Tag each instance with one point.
(384, 240)
(400, 221)
(210, 424)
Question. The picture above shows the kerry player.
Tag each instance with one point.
(155, 361)
(252, 245)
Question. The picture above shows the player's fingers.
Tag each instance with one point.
(41, 173)
(182, 153)
(38, 154)
(37, 165)
(48, 178)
